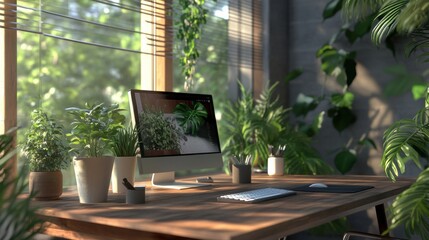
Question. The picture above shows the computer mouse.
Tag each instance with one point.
(318, 185)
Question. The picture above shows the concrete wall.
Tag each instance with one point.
(296, 31)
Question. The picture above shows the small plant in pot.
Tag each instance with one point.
(92, 130)
(47, 152)
(124, 146)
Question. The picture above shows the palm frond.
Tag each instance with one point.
(413, 16)
(419, 43)
(301, 157)
(359, 9)
(388, 15)
(411, 208)
(402, 143)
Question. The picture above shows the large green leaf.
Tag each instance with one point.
(361, 28)
(345, 160)
(304, 104)
(342, 117)
(293, 75)
(343, 100)
(189, 117)
(332, 8)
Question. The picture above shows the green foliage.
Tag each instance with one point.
(293, 74)
(338, 63)
(331, 8)
(125, 142)
(190, 118)
(345, 160)
(45, 145)
(158, 132)
(300, 157)
(406, 140)
(18, 220)
(192, 16)
(403, 81)
(249, 126)
(388, 14)
(404, 17)
(93, 128)
(411, 208)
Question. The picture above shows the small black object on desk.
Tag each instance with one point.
(127, 184)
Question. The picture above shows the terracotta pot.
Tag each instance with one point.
(46, 185)
(123, 167)
(93, 178)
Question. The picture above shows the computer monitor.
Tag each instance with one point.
(177, 131)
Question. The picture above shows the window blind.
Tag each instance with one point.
(104, 23)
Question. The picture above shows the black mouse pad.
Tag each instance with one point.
(333, 188)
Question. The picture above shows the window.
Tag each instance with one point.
(76, 51)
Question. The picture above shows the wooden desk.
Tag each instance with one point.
(195, 213)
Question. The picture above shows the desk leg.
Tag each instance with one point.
(381, 218)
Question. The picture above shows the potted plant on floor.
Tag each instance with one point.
(48, 153)
(92, 130)
(124, 147)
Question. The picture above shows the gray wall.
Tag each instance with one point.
(296, 31)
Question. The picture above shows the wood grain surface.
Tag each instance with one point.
(195, 213)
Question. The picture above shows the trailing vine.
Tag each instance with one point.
(192, 17)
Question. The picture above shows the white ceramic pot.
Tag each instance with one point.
(275, 166)
(93, 178)
(123, 167)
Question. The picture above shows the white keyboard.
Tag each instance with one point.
(257, 195)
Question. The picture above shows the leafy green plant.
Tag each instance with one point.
(125, 142)
(408, 140)
(190, 118)
(193, 15)
(249, 126)
(93, 128)
(18, 220)
(158, 132)
(45, 145)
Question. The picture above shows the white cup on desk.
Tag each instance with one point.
(275, 166)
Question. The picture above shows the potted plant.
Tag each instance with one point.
(48, 153)
(249, 126)
(92, 130)
(124, 147)
(160, 135)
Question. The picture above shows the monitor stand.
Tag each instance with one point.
(167, 180)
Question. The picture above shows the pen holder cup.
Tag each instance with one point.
(136, 196)
(276, 166)
(241, 173)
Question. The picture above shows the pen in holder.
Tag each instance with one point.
(242, 169)
(276, 160)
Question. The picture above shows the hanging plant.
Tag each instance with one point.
(193, 15)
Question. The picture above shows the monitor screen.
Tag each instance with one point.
(174, 124)
(177, 131)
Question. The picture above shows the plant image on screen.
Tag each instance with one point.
(159, 134)
(190, 118)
